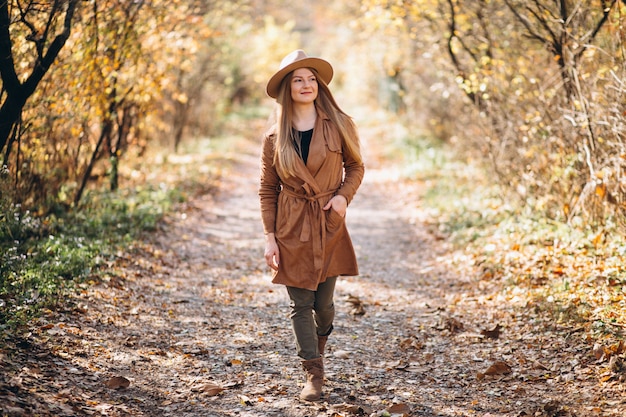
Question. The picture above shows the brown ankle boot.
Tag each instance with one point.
(314, 369)
(321, 344)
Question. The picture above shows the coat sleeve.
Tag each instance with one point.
(353, 168)
(269, 187)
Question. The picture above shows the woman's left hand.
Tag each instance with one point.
(339, 204)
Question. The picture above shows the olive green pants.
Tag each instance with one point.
(312, 315)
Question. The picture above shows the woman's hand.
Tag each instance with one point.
(339, 204)
(272, 255)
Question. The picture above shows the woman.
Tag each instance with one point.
(311, 168)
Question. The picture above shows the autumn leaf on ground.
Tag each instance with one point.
(402, 409)
(411, 343)
(493, 333)
(451, 324)
(399, 364)
(211, 389)
(358, 308)
(496, 368)
(359, 410)
(233, 384)
(602, 353)
(342, 354)
(598, 351)
(617, 348)
(539, 365)
(118, 382)
(616, 364)
(553, 408)
(245, 400)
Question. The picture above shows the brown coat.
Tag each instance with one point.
(314, 244)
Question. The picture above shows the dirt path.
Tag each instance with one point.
(194, 309)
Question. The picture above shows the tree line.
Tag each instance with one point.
(546, 83)
(533, 88)
(89, 84)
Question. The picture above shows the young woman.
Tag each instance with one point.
(311, 168)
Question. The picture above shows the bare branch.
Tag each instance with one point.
(482, 20)
(51, 54)
(528, 25)
(49, 25)
(606, 10)
(453, 56)
(543, 21)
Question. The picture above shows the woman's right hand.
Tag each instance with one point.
(272, 255)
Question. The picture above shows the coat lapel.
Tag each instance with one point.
(317, 150)
(310, 184)
(317, 154)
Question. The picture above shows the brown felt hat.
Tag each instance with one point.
(293, 61)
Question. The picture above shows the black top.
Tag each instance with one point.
(305, 143)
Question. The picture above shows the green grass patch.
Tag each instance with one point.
(456, 194)
(42, 259)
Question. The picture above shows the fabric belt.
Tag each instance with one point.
(313, 216)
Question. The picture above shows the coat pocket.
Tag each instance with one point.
(333, 220)
(290, 218)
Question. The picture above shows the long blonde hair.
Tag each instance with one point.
(285, 153)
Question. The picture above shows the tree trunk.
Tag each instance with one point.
(10, 113)
(95, 155)
(17, 93)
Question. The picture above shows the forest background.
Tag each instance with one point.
(513, 116)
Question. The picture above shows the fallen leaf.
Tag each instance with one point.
(493, 333)
(342, 354)
(118, 382)
(617, 348)
(616, 364)
(350, 408)
(233, 384)
(401, 408)
(598, 351)
(452, 324)
(553, 408)
(11, 410)
(539, 365)
(411, 343)
(245, 400)
(211, 389)
(400, 365)
(496, 368)
(358, 308)
(359, 410)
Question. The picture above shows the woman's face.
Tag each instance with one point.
(303, 86)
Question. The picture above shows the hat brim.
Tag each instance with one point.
(323, 68)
